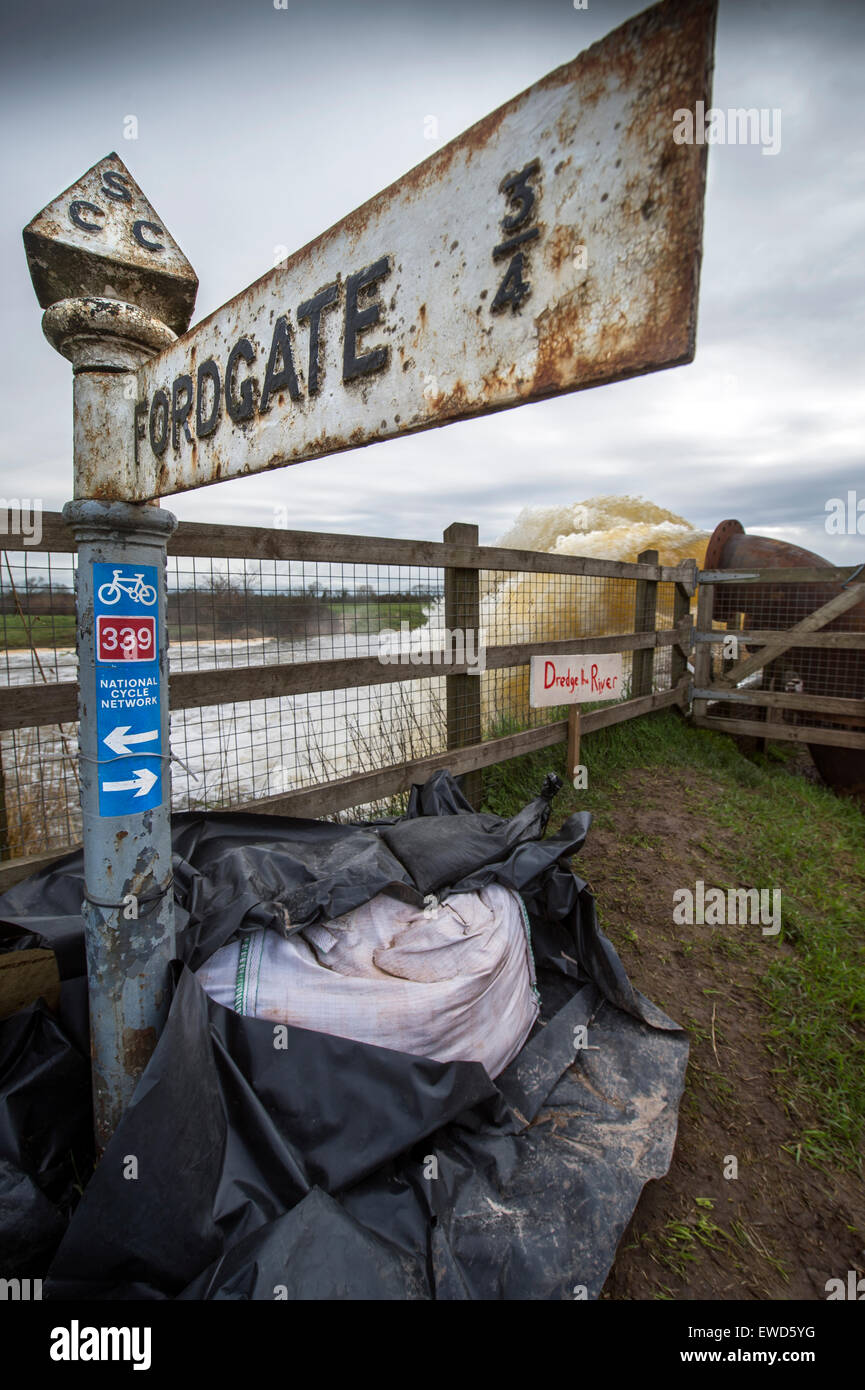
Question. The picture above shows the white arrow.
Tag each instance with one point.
(119, 738)
(143, 779)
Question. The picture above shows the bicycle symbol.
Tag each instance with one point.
(134, 588)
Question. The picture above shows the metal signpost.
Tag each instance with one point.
(94, 249)
(554, 246)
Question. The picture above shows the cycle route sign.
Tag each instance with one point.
(128, 727)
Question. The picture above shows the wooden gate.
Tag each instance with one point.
(780, 654)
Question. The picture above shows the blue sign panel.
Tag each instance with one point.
(127, 688)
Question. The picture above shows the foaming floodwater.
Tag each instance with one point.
(611, 528)
(548, 607)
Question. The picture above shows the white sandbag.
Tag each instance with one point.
(453, 981)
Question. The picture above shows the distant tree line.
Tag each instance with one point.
(36, 596)
(229, 605)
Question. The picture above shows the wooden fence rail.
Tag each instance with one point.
(28, 706)
(194, 538)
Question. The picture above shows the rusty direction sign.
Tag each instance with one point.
(553, 246)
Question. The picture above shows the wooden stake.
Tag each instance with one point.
(573, 760)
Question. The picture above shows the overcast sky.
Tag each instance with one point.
(260, 127)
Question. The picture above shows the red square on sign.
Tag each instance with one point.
(125, 639)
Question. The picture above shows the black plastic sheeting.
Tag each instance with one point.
(328, 1168)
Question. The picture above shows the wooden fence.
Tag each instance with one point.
(462, 560)
(816, 623)
(811, 670)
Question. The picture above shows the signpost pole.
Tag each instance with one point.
(128, 907)
(116, 290)
(123, 747)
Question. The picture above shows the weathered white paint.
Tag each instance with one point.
(575, 680)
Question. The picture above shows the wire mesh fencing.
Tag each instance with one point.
(39, 807)
(292, 674)
(253, 614)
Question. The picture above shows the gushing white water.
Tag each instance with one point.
(611, 528)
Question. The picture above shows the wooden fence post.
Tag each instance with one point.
(681, 612)
(645, 608)
(463, 612)
(5, 848)
(703, 650)
(573, 754)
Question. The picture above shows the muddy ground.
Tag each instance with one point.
(780, 1229)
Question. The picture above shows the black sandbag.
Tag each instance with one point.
(314, 1251)
(462, 842)
(246, 1151)
(46, 1137)
(44, 911)
(237, 872)
(319, 1112)
(421, 1155)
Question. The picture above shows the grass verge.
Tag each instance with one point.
(42, 630)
